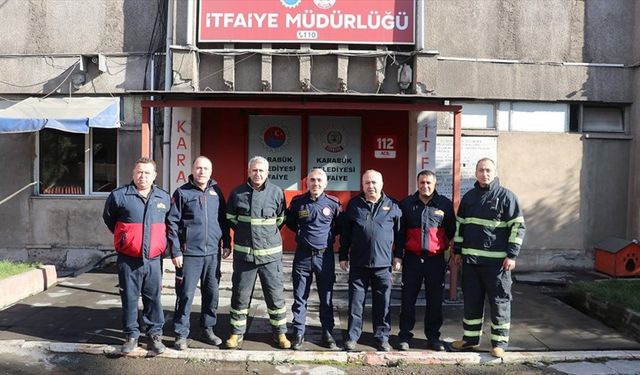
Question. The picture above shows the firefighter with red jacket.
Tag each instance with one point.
(426, 230)
(136, 214)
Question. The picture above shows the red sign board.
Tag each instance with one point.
(307, 21)
(385, 147)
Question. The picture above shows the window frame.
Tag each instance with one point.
(623, 118)
(88, 168)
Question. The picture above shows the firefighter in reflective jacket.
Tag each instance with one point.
(426, 230)
(255, 211)
(136, 215)
(489, 233)
(312, 217)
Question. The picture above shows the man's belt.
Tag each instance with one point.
(312, 250)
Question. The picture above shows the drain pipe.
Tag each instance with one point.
(168, 82)
(420, 25)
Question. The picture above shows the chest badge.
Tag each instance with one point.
(162, 206)
(303, 213)
(212, 192)
(386, 208)
(438, 212)
(326, 211)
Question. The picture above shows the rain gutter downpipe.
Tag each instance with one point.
(420, 25)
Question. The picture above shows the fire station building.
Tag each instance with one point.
(547, 89)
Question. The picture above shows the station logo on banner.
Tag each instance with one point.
(277, 139)
(334, 146)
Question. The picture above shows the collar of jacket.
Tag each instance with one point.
(434, 196)
(382, 197)
(262, 187)
(493, 185)
(210, 183)
(308, 195)
(133, 190)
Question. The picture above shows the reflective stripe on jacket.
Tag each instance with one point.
(256, 216)
(490, 225)
(138, 225)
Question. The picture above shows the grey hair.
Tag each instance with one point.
(318, 170)
(258, 160)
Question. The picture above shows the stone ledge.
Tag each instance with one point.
(611, 314)
(17, 287)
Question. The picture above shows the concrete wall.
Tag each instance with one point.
(633, 225)
(41, 43)
(534, 41)
(573, 191)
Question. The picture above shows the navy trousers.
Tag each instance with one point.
(306, 264)
(140, 277)
(203, 269)
(417, 270)
(360, 278)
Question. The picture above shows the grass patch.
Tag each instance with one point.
(623, 292)
(9, 268)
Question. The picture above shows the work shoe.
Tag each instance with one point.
(156, 345)
(297, 342)
(211, 337)
(403, 346)
(435, 345)
(129, 345)
(497, 352)
(461, 345)
(383, 346)
(282, 341)
(328, 341)
(349, 345)
(180, 343)
(234, 342)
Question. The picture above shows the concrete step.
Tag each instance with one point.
(340, 289)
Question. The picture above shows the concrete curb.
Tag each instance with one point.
(17, 287)
(363, 358)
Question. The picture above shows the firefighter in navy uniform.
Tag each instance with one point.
(426, 230)
(489, 233)
(313, 217)
(197, 230)
(370, 224)
(255, 211)
(136, 215)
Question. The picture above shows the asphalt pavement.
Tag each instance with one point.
(82, 314)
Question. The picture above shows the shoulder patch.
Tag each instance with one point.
(299, 196)
(333, 198)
